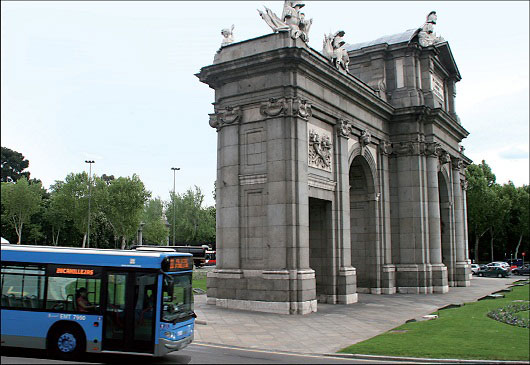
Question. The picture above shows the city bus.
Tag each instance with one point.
(198, 252)
(210, 258)
(75, 300)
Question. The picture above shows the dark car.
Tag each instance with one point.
(493, 271)
(522, 270)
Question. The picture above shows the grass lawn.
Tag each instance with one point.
(199, 282)
(462, 333)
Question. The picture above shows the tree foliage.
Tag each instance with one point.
(13, 164)
(123, 203)
(193, 223)
(20, 201)
(71, 197)
(155, 230)
(497, 213)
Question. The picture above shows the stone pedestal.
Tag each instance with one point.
(440, 283)
(346, 286)
(414, 279)
(282, 291)
(388, 280)
(462, 274)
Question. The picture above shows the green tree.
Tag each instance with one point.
(519, 219)
(56, 215)
(498, 217)
(102, 233)
(207, 228)
(71, 196)
(13, 165)
(123, 205)
(20, 201)
(193, 223)
(155, 229)
(480, 199)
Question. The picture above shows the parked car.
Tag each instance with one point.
(515, 262)
(522, 270)
(495, 271)
(474, 268)
(501, 264)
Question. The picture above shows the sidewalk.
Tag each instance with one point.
(333, 327)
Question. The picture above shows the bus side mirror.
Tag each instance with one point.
(169, 283)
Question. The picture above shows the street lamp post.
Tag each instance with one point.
(175, 169)
(89, 162)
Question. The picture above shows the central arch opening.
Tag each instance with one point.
(363, 225)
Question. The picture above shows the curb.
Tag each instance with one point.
(423, 360)
(373, 358)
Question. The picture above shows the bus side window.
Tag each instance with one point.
(22, 286)
(63, 292)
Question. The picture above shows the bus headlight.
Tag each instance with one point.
(170, 335)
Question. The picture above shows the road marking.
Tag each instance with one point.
(277, 352)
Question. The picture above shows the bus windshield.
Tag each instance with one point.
(177, 303)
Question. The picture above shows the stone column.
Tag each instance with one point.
(227, 204)
(346, 277)
(439, 270)
(388, 277)
(466, 232)
(462, 267)
(413, 272)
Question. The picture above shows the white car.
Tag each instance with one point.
(501, 264)
(474, 268)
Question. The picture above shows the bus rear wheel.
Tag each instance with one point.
(66, 342)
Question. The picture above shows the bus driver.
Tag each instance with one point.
(83, 305)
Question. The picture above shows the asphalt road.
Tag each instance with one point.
(193, 354)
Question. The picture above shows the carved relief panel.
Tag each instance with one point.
(320, 149)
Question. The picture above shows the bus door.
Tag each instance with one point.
(129, 316)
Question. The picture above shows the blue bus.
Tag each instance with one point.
(72, 300)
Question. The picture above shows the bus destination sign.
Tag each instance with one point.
(73, 270)
(178, 263)
(69, 271)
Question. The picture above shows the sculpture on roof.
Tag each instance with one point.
(228, 36)
(333, 49)
(426, 35)
(292, 20)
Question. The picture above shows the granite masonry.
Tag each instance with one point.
(336, 176)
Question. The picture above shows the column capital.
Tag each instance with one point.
(432, 149)
(385, 148)
(343, 128)
(457, 163)
(228, 115)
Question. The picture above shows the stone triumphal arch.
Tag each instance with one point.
(338, 172)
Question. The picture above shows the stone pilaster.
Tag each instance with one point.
(346, 276)
(462, 266)
(439, 271)
(388, 275)
(413, 273)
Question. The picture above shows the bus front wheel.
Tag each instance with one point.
(66, 342)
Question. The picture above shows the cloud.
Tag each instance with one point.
(92, 156)
(516, 153)
(507, 163)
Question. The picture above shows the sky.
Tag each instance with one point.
(115, 82)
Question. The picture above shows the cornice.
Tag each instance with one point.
(305, 60)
